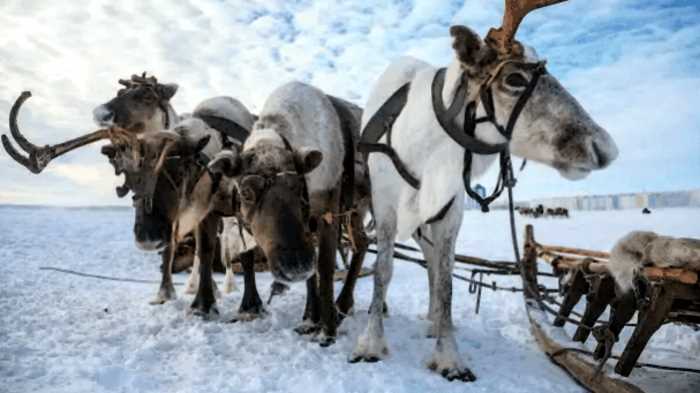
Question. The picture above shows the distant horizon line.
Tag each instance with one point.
(121, 207)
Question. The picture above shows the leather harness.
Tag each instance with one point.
(381, 123)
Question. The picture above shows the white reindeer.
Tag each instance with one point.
(551, 128)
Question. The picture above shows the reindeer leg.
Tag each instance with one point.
(428, 251)
(167, 290)
(326, 269)
(204, 303)
(251, 306)
(345, 301)
(445, 359)
(371, 346)
(193, 279)
(312, 309)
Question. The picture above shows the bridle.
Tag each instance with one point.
(269, 181)
(466, 136)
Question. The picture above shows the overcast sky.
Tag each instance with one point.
(634, 65)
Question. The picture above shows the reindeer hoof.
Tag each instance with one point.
(452, 372)
(204, 308)
(164, 294)
(464, 375)
(207, 314)
(369, 349)
(323, 339)
(243, 316)
(365, 359)
(307, 327)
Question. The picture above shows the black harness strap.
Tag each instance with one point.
(228, 128)
(347, 186)
(164, 107)
(441, 214)
(446, 118)
(380, 124)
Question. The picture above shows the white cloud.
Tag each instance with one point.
(633, 64)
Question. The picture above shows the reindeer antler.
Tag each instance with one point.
(137, 80)
(502, 39)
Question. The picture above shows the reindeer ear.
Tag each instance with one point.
(226, 162)
(308, 159)
(167, 90)
(470, 48)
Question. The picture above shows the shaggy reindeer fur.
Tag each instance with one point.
(638, 249)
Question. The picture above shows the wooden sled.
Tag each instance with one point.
(672, 295)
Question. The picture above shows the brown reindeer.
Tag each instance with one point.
(142, 107)
(202, 195)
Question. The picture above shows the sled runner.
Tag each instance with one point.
(662, 295)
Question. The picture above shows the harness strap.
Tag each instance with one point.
(380, 124)
(306, 203)
(446, 119)
(441, 214)
(228, 128)
(347, 186)
(166, 120)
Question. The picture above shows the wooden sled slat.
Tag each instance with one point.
(579, 368)
(595, 265)
(575, 365)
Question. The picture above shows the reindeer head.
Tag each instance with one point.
(156, 166)
(141, 106)
(552, 127)
(273, 200)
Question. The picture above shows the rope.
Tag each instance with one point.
(101, 277)
(423, 263)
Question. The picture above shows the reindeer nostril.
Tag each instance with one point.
(602, 158)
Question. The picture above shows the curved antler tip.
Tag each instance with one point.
(26, 94)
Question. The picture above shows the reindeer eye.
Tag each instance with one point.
(516, 80)
(248, 195)
(251, 187)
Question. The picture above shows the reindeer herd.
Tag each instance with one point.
(282, 186)
(541, 211)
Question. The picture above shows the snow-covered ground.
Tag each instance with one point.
(64, 333)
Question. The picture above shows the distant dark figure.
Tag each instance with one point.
(561, 212)
(539, 211)
(646, 211)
